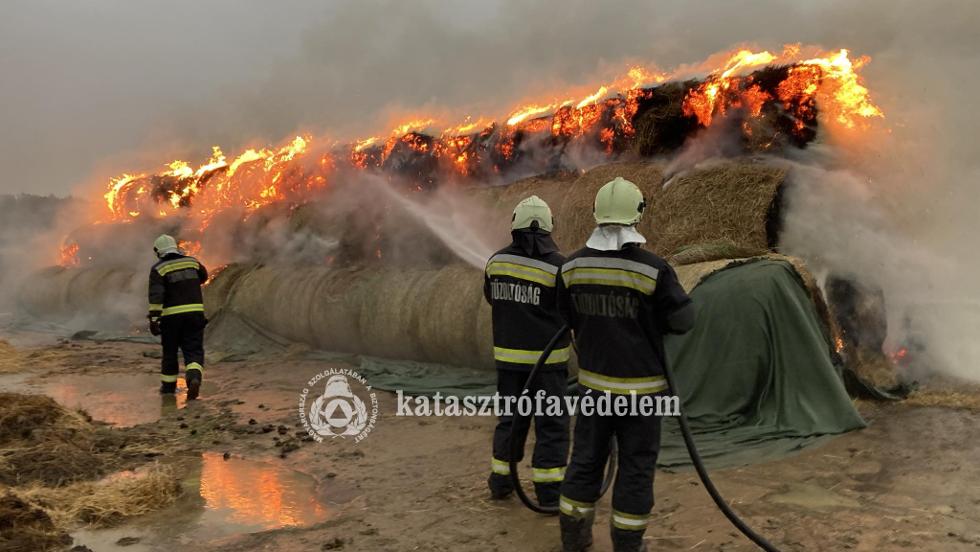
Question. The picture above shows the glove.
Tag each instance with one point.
(154, 326)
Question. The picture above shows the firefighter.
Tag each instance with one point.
(619, 300)
(177, 315)
(519, 284)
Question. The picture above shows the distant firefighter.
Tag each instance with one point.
(177, 314)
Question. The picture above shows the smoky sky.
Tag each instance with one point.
(89, 89)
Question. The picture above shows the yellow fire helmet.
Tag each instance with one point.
(619, 201)
(532, 209)
(164, 245)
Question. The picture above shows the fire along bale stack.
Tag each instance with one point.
(433, 311)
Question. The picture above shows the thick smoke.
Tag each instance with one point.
(896, 209)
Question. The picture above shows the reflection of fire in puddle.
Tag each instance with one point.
(222, 498)
(258, 495)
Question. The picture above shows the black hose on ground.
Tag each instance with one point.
(692, 451)
(516, 450)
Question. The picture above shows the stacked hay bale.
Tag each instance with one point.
(435, 311)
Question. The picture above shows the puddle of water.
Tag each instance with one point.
(117, 399)
(222, 498)
(813, 497)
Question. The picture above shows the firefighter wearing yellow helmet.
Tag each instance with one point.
(176, 314)
(519, 284)
(619, 300)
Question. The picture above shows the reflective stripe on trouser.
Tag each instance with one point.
(181, 309)
(182, 333)
(525, 356)
(500, 467)
(622, 386)
(548, 475)
(550, 432)
(638, 441)
(630, 522)
(575, 508)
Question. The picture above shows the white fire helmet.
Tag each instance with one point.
(619, 201)
(529, 210)
(165, 245)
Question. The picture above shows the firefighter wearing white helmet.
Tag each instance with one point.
(176, 314)
(519, 284)
(619, 300)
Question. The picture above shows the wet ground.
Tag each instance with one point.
(910, 481)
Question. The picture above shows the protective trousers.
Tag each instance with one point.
(182, 333)
(638, 443)
(551, 432)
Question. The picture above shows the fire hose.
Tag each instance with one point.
(692, 451)
(516, 448)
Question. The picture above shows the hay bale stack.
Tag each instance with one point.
(106, 293)
(735, 203)
(570, 197)
(426, 315)
(723, 211)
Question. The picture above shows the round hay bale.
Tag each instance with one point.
(105, 293)
(735, 202)
(425, 315)
(575, 211)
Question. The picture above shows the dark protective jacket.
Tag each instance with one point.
(619, 304)
(519, 284)
(175, 285)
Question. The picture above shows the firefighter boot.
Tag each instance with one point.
(500, 486)
(625, 540)
(193, 378)
(168, 387)
(576, 532)
(548, 494)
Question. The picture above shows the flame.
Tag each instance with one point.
(69, 255)
(476, 147)
(523, 113)
(833, 77)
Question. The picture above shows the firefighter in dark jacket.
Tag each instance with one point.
(177, 315)
(519, 284)
(620, 300)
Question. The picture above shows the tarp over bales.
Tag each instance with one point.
(755, 374)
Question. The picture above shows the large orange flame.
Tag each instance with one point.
(290, 172)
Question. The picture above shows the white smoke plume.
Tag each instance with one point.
(897, 209)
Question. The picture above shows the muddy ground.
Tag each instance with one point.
(910, 481)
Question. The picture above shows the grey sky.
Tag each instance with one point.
(95, 88)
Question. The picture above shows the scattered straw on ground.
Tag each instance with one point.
(10, 358)
(24, 526)
(947, 393)
(52, 467)
(108, 501)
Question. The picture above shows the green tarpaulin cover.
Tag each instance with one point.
(755, 374)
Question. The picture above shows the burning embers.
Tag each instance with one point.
(774, 99)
